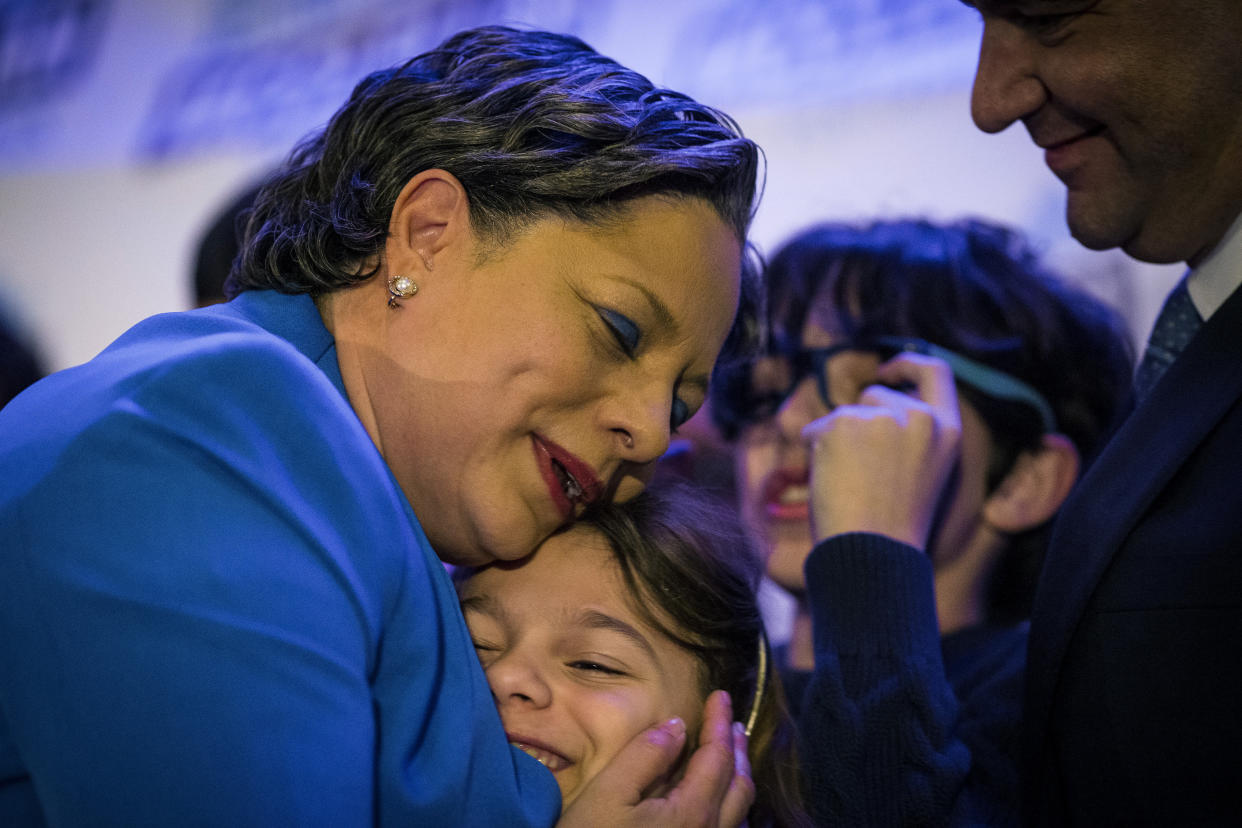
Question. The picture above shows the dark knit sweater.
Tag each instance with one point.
(896, 725)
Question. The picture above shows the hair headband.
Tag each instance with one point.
(760, 682)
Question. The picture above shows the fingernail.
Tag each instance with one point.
(741, 759)
(673, 731)
(674, 727)
(740, 742)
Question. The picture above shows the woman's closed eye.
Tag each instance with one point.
(680, 413)
(628, 337)
(624, 330)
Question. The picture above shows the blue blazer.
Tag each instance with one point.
(1134, 679)
(216, 606)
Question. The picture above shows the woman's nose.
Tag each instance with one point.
(517, 678)
(640, 421)
(1007, 85)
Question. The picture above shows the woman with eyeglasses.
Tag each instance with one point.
(905, 345)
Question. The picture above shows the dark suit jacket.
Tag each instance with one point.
(1134, 680)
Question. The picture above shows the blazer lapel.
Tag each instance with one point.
(1150, 446)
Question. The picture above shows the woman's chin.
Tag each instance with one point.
(492, 541)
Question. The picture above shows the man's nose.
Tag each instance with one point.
(1007, 85)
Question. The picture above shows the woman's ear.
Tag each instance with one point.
(431, 213)
(1035, 487)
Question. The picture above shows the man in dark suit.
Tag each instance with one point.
(1134, 688)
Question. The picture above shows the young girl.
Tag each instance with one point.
(630, 617)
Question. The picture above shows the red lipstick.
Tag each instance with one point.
(570, 480)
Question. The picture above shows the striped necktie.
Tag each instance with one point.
(1176, 325)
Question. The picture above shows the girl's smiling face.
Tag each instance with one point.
(576, 672)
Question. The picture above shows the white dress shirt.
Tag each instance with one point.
(1219, 274)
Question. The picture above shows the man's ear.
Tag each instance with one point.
(431, 213)
(1035, 487)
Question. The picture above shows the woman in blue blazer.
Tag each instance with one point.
(472, 305)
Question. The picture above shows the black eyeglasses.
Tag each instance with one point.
(986, 380)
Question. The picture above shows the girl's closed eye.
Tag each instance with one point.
(595, 666)
(486, 651)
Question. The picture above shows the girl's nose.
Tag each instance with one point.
(517, 678)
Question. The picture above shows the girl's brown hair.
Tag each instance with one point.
(694, 575)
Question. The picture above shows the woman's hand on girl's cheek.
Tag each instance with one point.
(741, 793)
(715, 792)
(880, 464)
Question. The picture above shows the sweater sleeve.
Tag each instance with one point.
(884, 738)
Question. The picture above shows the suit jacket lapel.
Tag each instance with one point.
(1150, 446)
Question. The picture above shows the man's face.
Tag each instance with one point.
(1138, 107)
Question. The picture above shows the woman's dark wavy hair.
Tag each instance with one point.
(532, 123)
(693, 574)
(973, 287)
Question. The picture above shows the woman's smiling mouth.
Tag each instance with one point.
(571, 482)
(572, 490)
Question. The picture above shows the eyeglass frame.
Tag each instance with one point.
(989, 381)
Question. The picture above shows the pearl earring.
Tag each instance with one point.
(400, 287)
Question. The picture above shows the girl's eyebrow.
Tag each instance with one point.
(596, 620)
(592, 619)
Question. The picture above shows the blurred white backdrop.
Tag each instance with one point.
(124, 124)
